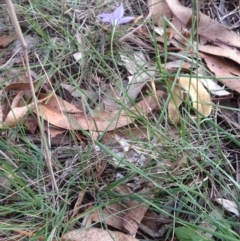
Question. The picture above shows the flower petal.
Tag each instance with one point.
(125, 20)
(118, 12)
(106, 17)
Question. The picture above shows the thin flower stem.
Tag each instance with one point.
(111, 49)
(111, 44)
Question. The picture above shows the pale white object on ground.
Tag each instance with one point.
(80, 56)
(96, 234)
(228, 205)
(140, 72)
(214, 88)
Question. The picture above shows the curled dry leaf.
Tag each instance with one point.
(200, 98)
(100, 120)
(230, 206)
(158, 9)
(188, 87)
(67, 116)
(96, 234)
(222, 50)
(224, 68)
(207, 27)
(17, 114)
(16, 102)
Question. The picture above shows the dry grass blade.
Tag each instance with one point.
(24, 45)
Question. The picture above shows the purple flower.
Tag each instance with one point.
(116, 17)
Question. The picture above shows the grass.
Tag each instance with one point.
(183, 195)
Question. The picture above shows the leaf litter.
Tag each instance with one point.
(124, 108)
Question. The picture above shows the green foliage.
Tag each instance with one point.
(188, 234)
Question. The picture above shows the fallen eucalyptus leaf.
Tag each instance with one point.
(200, 98)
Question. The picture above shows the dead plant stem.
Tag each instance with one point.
(18, 30)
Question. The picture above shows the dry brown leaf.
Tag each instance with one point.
(159, 9)
(112, 215)
(58, 104)
(227, 112)
(7, 39)
(31, 124)
(95, 234)
(19, 86)
(101, 120)
(135, 214)
(129, 133)
(200, 98)
(178, 25)
(174, 103)
(16, 115)
(173, 66)
(54, 131)
(65, 115)
(176, 166)
(224, 68)
(78, 204)
(155, 222)
(221, 50)
(207, 27)
(16, 102)
(211, 84)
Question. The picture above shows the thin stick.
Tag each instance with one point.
(18, 30)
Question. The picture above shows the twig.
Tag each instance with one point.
(18, 30)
